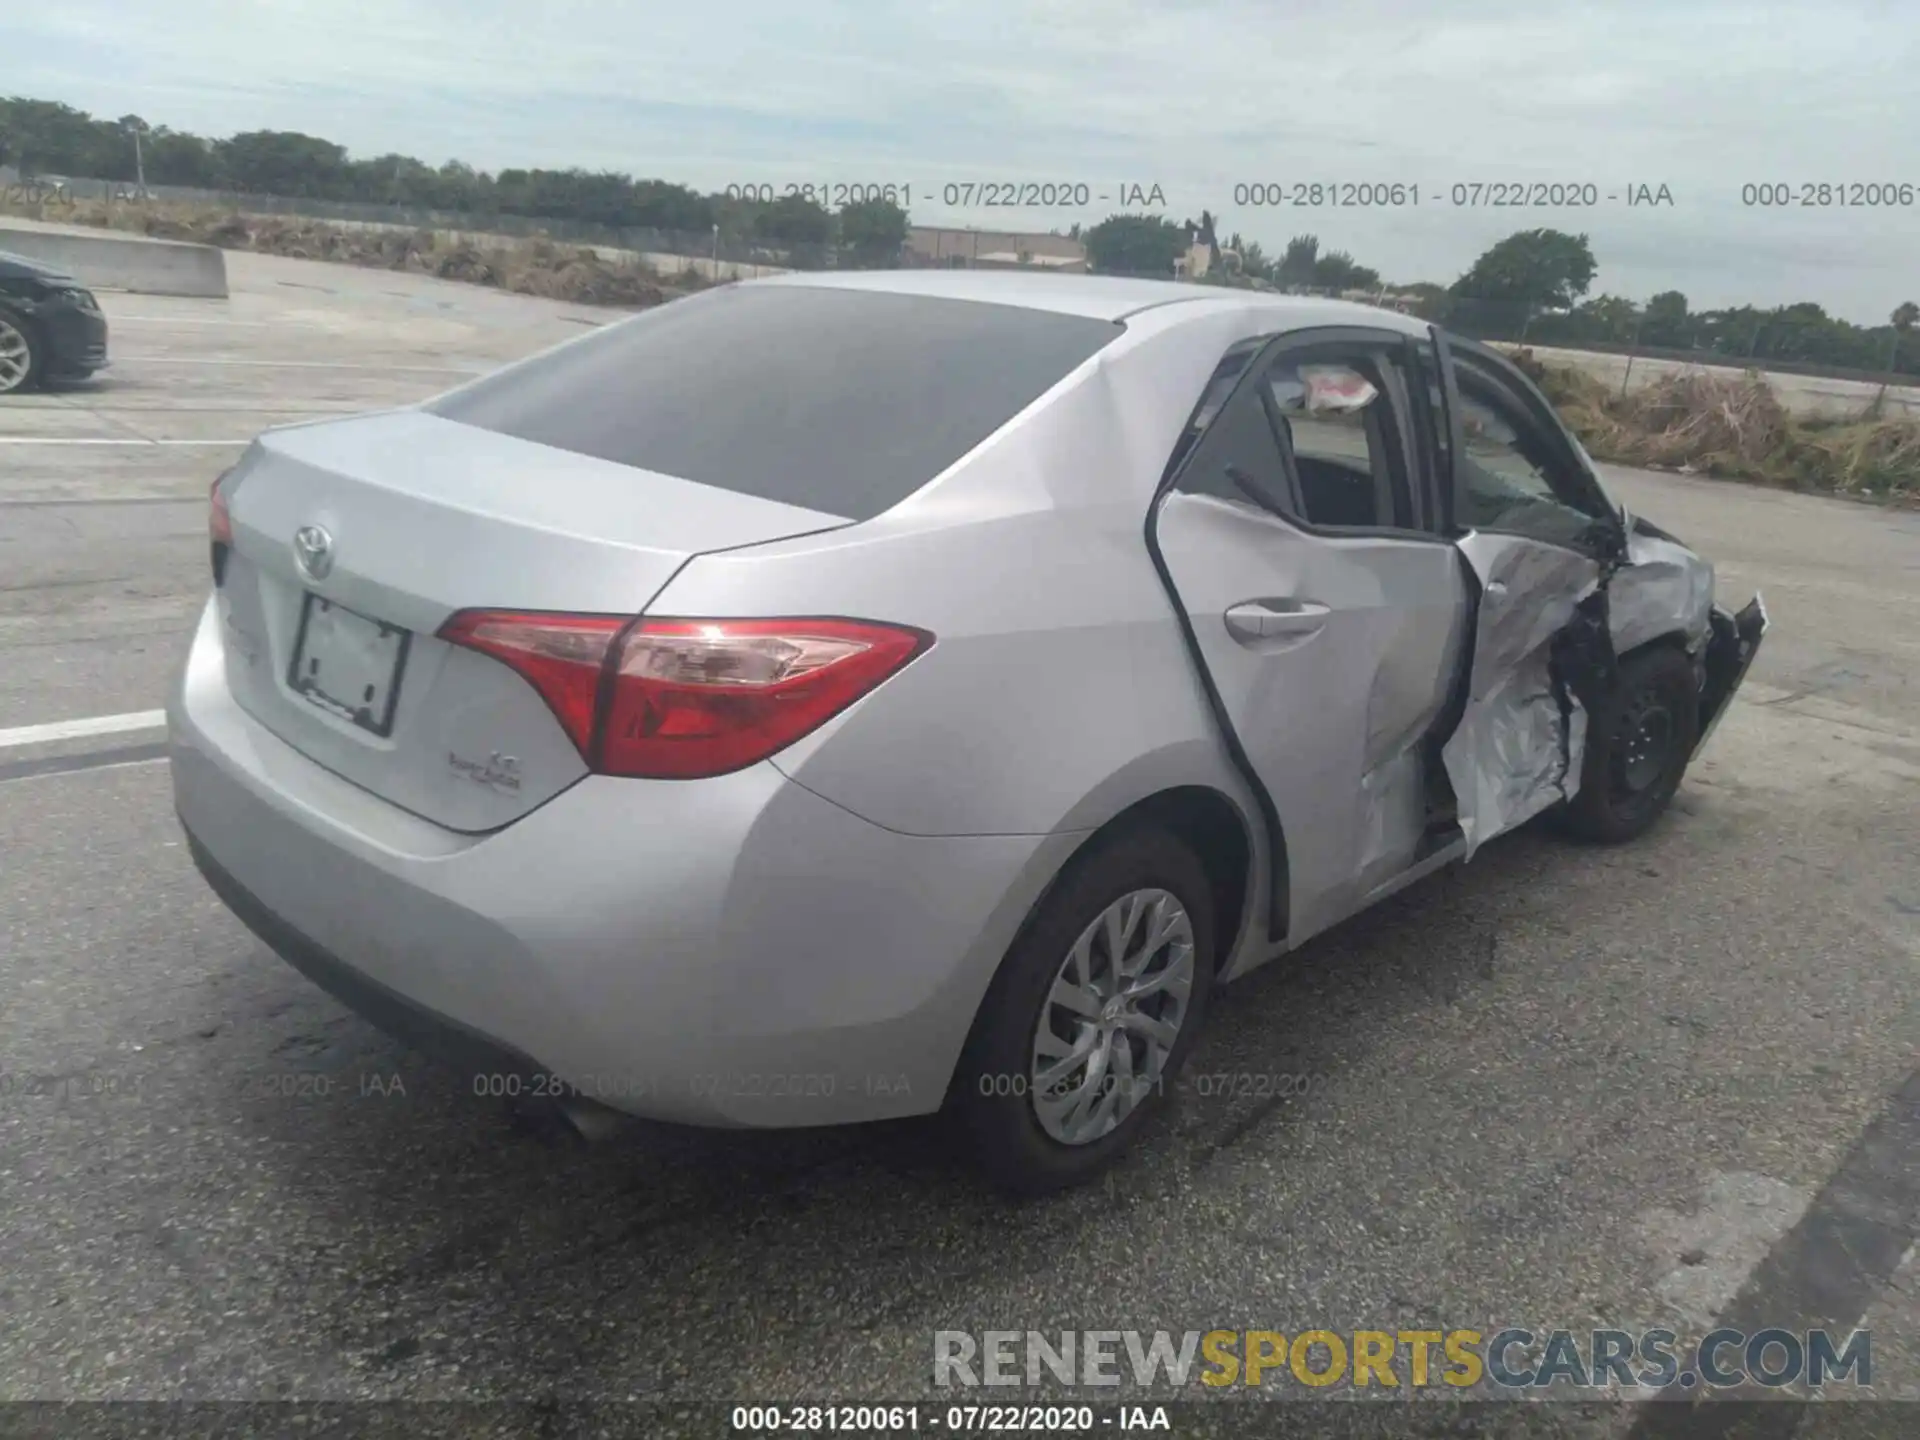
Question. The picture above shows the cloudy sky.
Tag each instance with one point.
(1196, 96)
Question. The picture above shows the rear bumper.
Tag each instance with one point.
(444, 1039)
(729, 952)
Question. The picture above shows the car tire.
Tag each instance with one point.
(23, 357)
(1639, 740)
(997, 1101)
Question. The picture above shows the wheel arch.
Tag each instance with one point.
(1205, 818)
(1674, 640)
(15, 314)
(1210, 823)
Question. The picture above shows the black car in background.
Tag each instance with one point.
(51, 327)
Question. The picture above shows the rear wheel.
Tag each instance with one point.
(21, 357)
(1639, 741)
(1091, 1016)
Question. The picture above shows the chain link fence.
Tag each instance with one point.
(1745, 339)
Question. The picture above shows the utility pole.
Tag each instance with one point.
(139, 163)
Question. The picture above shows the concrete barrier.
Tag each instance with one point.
(106, 261)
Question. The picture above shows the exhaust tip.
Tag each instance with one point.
(592, 1121)
(572, 1121)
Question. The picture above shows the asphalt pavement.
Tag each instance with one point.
(1559, 1087)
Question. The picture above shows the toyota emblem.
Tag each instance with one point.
(313, 551)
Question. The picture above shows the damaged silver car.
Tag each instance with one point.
(848, 696)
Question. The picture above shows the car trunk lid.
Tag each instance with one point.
(404, 519)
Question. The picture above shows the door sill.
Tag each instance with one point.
(1437, 848)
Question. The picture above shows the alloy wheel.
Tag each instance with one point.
(16, 357)
(1111, 1020)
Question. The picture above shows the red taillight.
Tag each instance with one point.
(688, 698)
(219, 522)
(561, 656)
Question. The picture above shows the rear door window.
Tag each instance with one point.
(840, 401)
(1349, 449)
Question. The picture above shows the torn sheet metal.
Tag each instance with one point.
(1519, 744)
(1516, 755)
(1663, 587)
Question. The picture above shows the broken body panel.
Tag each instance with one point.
(1289, 622)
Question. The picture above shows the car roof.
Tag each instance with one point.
(1097, 297)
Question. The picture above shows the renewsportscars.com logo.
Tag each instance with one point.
(1511, 1359)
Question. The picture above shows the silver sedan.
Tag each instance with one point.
(843, 697)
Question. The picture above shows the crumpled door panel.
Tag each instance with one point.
(1519, 744)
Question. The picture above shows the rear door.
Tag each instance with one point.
(1325, 616)
(1539, 534)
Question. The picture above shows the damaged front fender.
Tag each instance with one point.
(1552, 624)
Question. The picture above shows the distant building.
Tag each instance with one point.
(1195, 263)
(995, 249)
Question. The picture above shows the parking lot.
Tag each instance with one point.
(1558, 1087)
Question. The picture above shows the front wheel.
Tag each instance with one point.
(1091, 1016)
(20, 358)
(1639, 740)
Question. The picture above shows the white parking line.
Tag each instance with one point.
(81, 729)
(52, 772)
(194, 320)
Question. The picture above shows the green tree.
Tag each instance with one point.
(873, 230)
(794, 220)
(662, 205)
(1667, 321)
(1135, 244)
(1609, 317)
(1337, 271)
(175, 158)
(286, 162)
(1298, 262)
(1542, 269)
(1254, 263)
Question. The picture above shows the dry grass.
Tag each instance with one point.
(1707, 424)
(526, 267)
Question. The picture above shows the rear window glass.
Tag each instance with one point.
(841, 401)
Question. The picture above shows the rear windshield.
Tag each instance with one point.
(842, 401)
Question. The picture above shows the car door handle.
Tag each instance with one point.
(1272, 619)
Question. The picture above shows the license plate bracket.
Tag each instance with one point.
(349, 664)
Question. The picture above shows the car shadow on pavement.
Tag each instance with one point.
(536, 1250)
